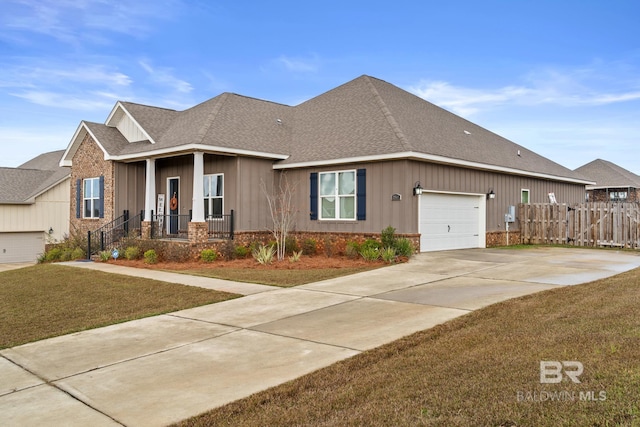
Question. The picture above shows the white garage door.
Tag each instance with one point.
(21, 247)
(451, 221)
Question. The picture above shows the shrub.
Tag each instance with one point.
(104, 256)
(241, 252)
(208, 255)
(352, 249)
(370, 244)
(77, 253)
(66, 254)
(151, 257)
(370, 253)
(291, 245)
(53, 255)
(388, 255)
(404, 247)
(295, 257)
(309, 246)
(264, 254)
(388, 237)
(132, 252)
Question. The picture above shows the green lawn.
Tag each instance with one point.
(482, 369)
(48, 300)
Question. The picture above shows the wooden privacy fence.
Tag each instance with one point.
(586, 224)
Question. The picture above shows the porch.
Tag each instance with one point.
(162, 227)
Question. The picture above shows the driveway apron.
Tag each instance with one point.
(158, 370)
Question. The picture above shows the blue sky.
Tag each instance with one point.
(560, 77)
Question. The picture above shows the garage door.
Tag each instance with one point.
(451, 221)
(21, 247)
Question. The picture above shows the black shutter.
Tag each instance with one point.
(361, 194)
(78, 197)
(313, 196)
(101, 201)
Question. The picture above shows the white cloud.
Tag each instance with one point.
(299, 65)
(542, 87)
(165, 77)
(79, 21)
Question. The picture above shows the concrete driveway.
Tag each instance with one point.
(15, 266)
(158, 370)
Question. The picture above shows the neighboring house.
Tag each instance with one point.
(356, 154)
(34, 207)
(612, 183)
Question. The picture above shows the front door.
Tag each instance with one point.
(173, 185)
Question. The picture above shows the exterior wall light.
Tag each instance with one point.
(417, 189)
(491, 194)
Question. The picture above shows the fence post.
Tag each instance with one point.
(231, 225)
(126, 221)
(88, 245)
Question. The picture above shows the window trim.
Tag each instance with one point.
(209, 200)
(522, 192)
(338, 196)
(95, 198)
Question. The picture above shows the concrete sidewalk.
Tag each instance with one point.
(158, 370)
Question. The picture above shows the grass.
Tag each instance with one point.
(482, 369)
(47, 300)
(283, 278)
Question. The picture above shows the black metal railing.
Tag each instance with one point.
(170, 226)
(221, 226)
(108, 235)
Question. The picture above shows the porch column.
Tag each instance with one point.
(150, 189)
(197, 207)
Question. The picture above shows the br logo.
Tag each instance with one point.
(551, 371)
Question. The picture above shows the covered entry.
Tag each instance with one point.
(452, 221)
(21, 247)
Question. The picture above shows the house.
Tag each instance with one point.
(612, 183)
(362, 156)
(34, 207)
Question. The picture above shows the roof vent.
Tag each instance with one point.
(467, 132)
(518, 152)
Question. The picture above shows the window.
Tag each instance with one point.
(338, 195)
(524, 196)
(91, 198)
(213, 196)
(617, 196)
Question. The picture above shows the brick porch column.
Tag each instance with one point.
(198, 232)
(145, 229)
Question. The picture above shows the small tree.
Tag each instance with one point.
(282, 211)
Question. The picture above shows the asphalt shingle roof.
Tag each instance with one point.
(22, 184)
(362, 118)
(607, 174)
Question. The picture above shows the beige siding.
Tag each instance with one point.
(51, 210)
(130, 130)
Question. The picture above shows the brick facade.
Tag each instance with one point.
(499, 238)
(604, 195)
(88, 162)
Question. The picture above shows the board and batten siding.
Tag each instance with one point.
(129, 187)
(51, 210)
(130, 130)
(384, 179)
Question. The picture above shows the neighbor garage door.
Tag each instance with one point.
(451, 221)
(21, 247)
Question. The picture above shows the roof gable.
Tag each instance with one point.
(23, 184)
(608, 174)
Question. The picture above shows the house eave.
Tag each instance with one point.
(604, 187)
(189, 148)
(435, 159)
